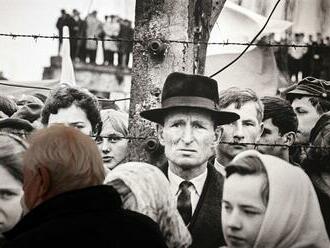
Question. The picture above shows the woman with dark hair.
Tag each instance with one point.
(11, 180)
(317, 164)
(72, 106)
(267, 202)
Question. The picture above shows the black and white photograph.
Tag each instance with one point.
(165, 123)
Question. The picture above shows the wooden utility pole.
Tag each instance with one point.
(160, 26)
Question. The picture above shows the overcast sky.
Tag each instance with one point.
(23, 59)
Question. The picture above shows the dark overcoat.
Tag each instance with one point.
(90, 217)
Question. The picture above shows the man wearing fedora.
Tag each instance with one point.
(187, 120)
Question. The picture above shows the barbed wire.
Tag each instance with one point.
(255, 145)
(305, 145)
(47, 88)
(114, 100)
(57, 37)
(124, 137)
(223, 43)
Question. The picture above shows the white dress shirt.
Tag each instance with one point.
(195, 189)
(219, 167)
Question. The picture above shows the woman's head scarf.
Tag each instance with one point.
(153, 198)
(293, 217)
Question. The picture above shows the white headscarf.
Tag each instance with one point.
(154, 199)
(293, 217)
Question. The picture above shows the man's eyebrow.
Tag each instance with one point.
(249, 119)
(202, 122)
(177, 120)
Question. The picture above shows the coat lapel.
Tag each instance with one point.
(205, 226)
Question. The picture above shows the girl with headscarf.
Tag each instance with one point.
(144, 189)
(317, 164)
(11, 181)
(269, 203)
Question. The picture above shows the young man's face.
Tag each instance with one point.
(188, 137)
(307, 118)
(271, 135)
(72, 116)
(247, 129)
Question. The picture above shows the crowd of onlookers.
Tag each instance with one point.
(241, 170)
(312, 59)
(116, 33)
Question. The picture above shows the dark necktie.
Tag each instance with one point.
(184, 201)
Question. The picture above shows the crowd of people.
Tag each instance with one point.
(241, 170)
(116, 33)
(311, 57)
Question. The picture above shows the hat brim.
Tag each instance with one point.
(298, 92)
(220, 117)
(17, 124)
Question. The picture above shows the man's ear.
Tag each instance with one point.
(44, 181)
(218, 133)
(160, 132)
(261, 130)
(289, 138)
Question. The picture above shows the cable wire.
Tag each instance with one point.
(255, 37)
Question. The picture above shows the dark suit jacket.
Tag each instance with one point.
(89, 217)
(205, 226)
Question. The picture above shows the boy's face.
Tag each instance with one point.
(307, 117)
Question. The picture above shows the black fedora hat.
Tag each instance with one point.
(192, 91)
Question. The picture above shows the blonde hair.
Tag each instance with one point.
(117, 119)
(72, 158)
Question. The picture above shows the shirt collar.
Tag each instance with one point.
(219, 167)
(198, 181)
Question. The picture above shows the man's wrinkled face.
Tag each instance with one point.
(72, 116)
(188, 136)
(307, 118)
(247, 129)
(271, 135)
